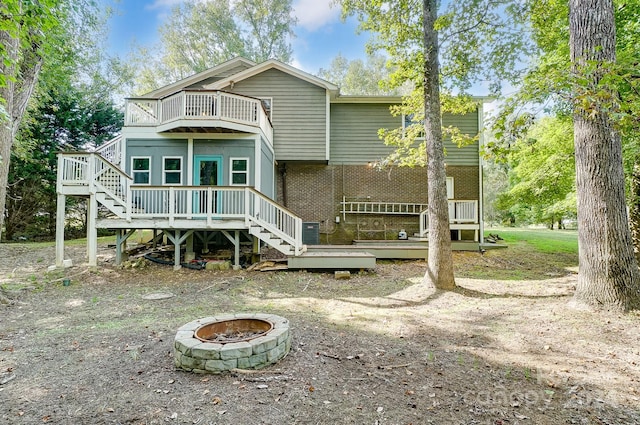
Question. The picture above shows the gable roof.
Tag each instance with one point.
(209, 73)
(274, 64)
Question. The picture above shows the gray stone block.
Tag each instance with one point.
(236, 350)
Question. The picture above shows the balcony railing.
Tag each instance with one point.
(201, 106)
(460, 212)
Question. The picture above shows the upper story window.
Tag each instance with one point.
(141, 169)
(409, 119)
(239, 170)
(172, 170)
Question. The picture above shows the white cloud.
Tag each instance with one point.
(161, 4)
(314, 14)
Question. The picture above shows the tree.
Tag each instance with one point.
(475, 40)
(269, 25)
(44, 44)
(546, 86)
(67, 119)
(542, 175)
(608, 276)
(362, 78)
(202, 34)
(23, 46)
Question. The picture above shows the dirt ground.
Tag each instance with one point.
(379, 348)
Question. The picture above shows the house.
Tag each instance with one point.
(261, 154)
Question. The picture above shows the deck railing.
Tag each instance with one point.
(460, 211)
(94, 171)
(214, 203)
(111, 150)
(172, 203)
(198, 105)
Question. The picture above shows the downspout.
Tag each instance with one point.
(283, 177)
(480, 172)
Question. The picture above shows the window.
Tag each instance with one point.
(239, 171)
(450, 188)
(141, 169)
(408, 119)
(172, 170)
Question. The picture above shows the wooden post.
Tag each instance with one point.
(92, 233)
(236, 262)
(176, 253)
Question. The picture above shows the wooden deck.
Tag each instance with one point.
(333, 260)
(361, 254)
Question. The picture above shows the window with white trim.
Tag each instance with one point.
(239, 171)
(172, 170)
(450, 192)
(141, 169)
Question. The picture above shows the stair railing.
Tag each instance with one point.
(274, 218)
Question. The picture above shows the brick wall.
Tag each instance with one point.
(314, 193)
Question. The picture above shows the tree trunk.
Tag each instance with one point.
(608, 275)
(440, 263)
(634, 210)
(6, 124)
(21, 69)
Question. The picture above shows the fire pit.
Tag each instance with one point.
(222, 343)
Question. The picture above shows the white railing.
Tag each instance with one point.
(214, 203)
(111, 150)
(109, 179)
(141, 112)
(276, 219)
(460, 211)
(187, 202)
(208, 203)
(95, 172)
(199, 105)
(73, 169)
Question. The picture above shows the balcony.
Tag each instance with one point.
(200, 111)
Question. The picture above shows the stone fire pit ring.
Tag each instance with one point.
(267, 345)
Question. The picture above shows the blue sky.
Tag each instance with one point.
(320, 34)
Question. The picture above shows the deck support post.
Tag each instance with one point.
(189, 248)
(60, 213)
(92, 233)
(121, 238)
(235, 240)
(176, 251)
(177, 239)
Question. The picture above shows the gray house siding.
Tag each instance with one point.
(156, 149)
(267, 171)
(298, 114)
(467, 155)
(228, 149)
(354, 134)
(159, 148)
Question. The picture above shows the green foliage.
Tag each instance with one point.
(542, 175)
(67, 120)
(201, 34)
(551, 86)
(358, 77)
(480, 41)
